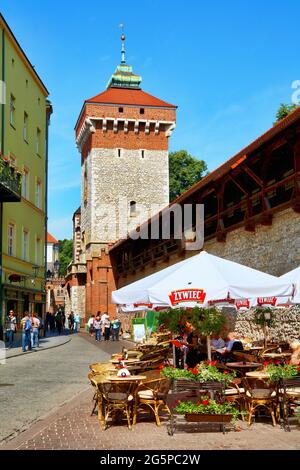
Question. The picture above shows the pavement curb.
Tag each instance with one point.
(67, 340)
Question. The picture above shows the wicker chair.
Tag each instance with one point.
(258, 393)
(116, 397)
(236, 393)
(153, 394)
(289, 390)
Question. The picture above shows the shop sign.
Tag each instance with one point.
(266, 301)
(187, 295)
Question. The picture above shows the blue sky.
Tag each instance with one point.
(226, 64)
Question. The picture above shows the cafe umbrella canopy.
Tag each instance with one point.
(202, 280)
(293, 277)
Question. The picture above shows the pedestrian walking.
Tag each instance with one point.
(91, 325)
(26, 326)
(77, 322)
(71, 321)
(115, 329)
(107, 325)
(97, 328)
(58, 321)
(66, 325)
(11, 328)
(35, 331)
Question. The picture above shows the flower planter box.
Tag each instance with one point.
(207, 418)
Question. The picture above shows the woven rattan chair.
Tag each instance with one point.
(236, 393)
(259, 393)
(289, 390)
(116, 398)
(152, 394)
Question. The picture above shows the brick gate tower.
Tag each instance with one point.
(122, 135)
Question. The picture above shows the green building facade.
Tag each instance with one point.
(24, 119)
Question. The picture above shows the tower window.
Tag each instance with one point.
(121, 110)
(142, 111)
(133, 211)
(143, 153)
(119, 152)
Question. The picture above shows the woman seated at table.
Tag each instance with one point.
(295, 357)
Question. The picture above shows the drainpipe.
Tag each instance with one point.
(1, 203)
(48, 114)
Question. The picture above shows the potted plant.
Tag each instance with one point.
(265, 318)
(205, 372)
(277, 371)
(207, 411)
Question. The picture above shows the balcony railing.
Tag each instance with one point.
(10, 182)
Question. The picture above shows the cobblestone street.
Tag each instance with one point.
(34, 385)
(72, 427)
(49, 402)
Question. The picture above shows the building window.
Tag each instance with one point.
(121, 110)
(38, 194)
(133, 211)
(38, 141)
(119, 152)
(37, 251)
(10, 239)
(26, 83)
(25, 127)
(143, 153)
(12, 114)
(25, 183)
(142, 111)
(25, 245)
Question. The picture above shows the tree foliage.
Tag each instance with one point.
(206, 321)
(184, 170)
(65, 255)
(284, 110)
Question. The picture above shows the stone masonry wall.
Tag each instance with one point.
(78, 300)
(273, 249)
(132, 176)
(286, 328)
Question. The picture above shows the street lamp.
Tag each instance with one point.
(35, 269)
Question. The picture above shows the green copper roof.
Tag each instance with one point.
(123, 76)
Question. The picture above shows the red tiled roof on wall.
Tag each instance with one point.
(51, 239)
(129, 97)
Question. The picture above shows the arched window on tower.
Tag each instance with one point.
(133, 211)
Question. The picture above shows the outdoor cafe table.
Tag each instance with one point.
(128, 378)
(126, 361)
(277, 355)
(243, 366)
(257, 374)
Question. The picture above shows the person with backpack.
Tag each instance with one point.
(11, 328)
(115, 329)
(26, 326)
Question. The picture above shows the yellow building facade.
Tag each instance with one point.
(24, 119)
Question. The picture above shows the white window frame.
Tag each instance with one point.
(25, 237)
(25, 191)
(12, 110)
(10, 239)
(38, 191)
(38, 140)
(25, 127)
